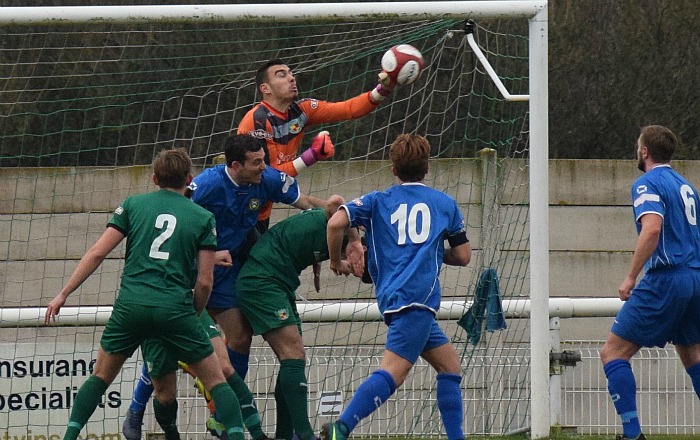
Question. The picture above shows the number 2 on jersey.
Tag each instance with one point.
(163, 220)
(407, 222)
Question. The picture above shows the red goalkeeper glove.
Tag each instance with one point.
(321, 149)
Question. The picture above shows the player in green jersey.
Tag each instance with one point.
(266, 290)
(165, 284)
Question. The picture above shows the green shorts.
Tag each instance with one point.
(267, 304)
(178, 330)
(159, 362)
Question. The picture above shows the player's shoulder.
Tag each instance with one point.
(208, 176)
(307, 104)
(366, 199)
(141, 199)
(249, 114)
(273, 178)
(649, 181)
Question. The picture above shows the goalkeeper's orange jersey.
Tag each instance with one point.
(281, 133)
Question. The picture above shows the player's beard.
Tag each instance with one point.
(640, 163)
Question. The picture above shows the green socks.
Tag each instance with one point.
(228, 410)
(285, 428)
(292, 379)
(87, 399)
(251, 417)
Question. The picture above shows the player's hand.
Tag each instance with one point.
(383, 89)
(322, 146)
(321, 149)
(386, 82)
(625, 289)
(341, 268)
(53, 309)
(223, 258)
(355, 254)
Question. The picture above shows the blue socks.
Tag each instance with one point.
(371, 394)
(239, 362)
(694, 373)
(623, 392)
(142, 392)
(449, 402)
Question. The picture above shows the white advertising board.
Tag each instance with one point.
(38, 384)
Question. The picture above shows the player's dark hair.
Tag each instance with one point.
(261, 75)
(409, 154)
(238, 145)
(172, 168)
(660, 142)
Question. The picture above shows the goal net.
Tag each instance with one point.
(86, 104)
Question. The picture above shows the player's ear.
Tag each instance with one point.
(265, 88)
(155, 179)
(236, 165)
(189, 180)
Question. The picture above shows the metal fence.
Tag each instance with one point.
(666, 399)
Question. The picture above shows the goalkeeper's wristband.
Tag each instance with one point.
(379, 93)
(306, 159)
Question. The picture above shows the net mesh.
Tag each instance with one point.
(85, 107)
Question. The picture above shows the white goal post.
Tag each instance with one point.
(534, 11)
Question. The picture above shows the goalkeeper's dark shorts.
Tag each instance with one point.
(159, 362)
(267, 304)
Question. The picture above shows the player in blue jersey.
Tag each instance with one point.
(235, 193)
(665, 305)
(405, 229)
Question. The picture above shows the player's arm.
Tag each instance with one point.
(306, 201)
(206, 258)
(92, 259)
(459, 252)
(647, 241)
(459, 255)
(337, 225)
(322, 111)
(354, 251)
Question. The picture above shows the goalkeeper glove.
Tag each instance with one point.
(321, 149)
(386, 85)
(199, 386)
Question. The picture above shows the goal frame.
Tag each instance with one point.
(534, 11)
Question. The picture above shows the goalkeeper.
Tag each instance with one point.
(266, 287)
(279, 123)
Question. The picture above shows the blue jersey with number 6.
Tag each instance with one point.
(662, 191)
(405, 228)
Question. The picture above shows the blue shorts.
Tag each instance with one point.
(664, 307)
(413, 331)
(224, 295)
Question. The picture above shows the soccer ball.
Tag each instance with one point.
(403, 63)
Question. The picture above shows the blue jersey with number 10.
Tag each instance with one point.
(406, 227)
(662, 191)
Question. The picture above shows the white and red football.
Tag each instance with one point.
(403, 63)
